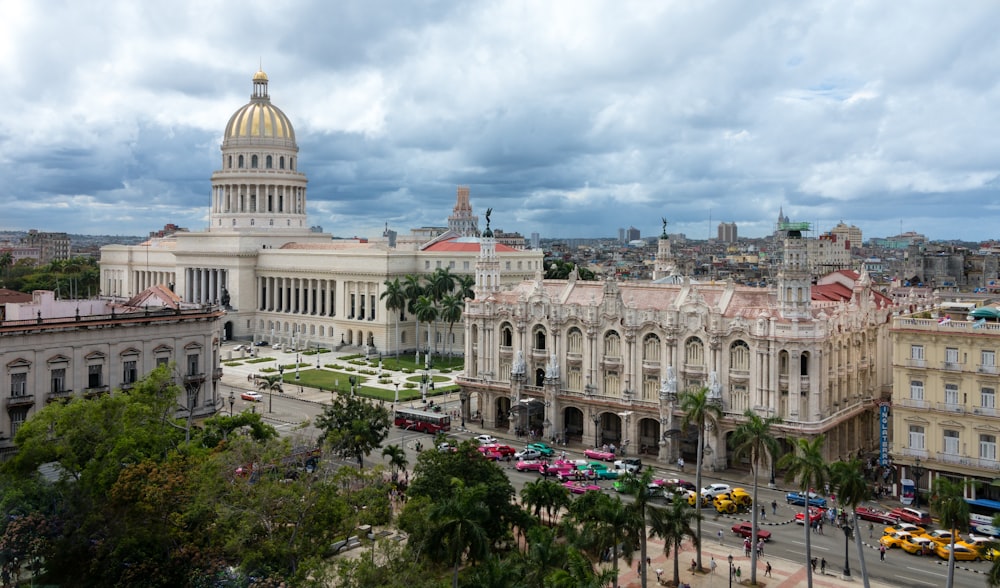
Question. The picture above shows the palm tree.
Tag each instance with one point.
(673, 525)
(397, 457)
(395, 301)
(603, 522)
(459, 531)
(638, 488)
(953, 511)
(270, 384)
(852, 490)
(6, 261)
(697, 410)
(466, 286)
(806, 465)
(441, 283)
(413, 290)
(451, 312)
(426, 313)
(753, 440)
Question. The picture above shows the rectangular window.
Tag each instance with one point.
(451, 264)
(916, 390)
(507, 266)
(951, 393)
(427, 264)
(162, 361)
(129, 372)
(95, 376)
(192, 364)
(951, 354)
(916, 437)
(987, 398)
(19, 384)
(988, 358)
(58, 380)
(988, 447)
(17, 418)
(465, 265)
(916, 351)
(951, 442)
(437, 264)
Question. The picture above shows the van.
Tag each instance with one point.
(912, 515)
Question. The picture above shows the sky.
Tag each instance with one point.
(568, 118)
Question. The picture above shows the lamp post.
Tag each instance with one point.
(847, 536)
(270, 392)
(353, 380)
(918, 472)
(232, 401)
(397, 391)
(296, 366)
(730, 570)
(318, 353)
(597, 430)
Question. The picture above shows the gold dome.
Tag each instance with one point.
(260, 76)
(259, 119)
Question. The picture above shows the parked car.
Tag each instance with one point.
(962, 552)
(528, 454)
(566, 475)
(912, 515)
(251, 396)
(239, 348)
(261, 343)
(581, 487)
(908, 527)
(800, 499)
(875, 515)
(503, 450)
(530, 465)
(723, 505)
(918, 545)
(542, 448)
(745, 529)
(895, 539)
(485, 439)
(941, 536)
(599, 454)
(601, 471)
(815, 514)
(629, 464)
(713, 490)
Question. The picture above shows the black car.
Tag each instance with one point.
(262, 343)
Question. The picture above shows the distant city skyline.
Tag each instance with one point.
(568, 120)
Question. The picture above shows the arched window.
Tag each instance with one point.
(783, 363)
(539, 339)
(253, 161)
(241, 162)
(574, 341)
(268, 163)
(694, 352)
(612, 345)
(506, 336)
(739, 356)
(804, 364)
(651, 348)
(281, 162)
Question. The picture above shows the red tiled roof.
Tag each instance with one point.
(464, 246)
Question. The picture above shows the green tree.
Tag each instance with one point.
(395, 302)
(698, 409)
(397, 457)
(413, 290)
(451, 312)
(673, 525)
(353, 426)
(638, 486)
(218, 428)
(543, 494)
(808, 469)
(754, 440)
(852, 490)
(953, 511)
(466, 287)
(458, 528)
(6, 261)
(605, 523)
(271, 383)
(426, 312)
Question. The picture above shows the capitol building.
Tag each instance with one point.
(278, 280)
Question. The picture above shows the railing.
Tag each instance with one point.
(950, 407)
(59, 395)
(987, 464)
(538, 352)
(96, 390)
(951, 366)
(194, 377)
(916, 363)
(913, 403)
(910, 452)
(571, 356)
(984, 411)
(20, 400)
(956, 459)
(986, 369)
(506, 349)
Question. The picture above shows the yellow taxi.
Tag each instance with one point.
(895, 539)
(941, 536)
(909, 528)
(984, 545)
(963, 552)
(741, 497)
(692, 496)
(918, 545)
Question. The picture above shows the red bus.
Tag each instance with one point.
(422, 421)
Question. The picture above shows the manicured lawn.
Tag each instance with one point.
(340, 381)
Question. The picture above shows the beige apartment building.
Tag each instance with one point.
(944, 403)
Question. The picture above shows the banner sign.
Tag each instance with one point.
(883, 423)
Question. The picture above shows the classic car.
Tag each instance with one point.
(542, 448)
(530, 465)
(503, 450)
(745, 529)
(485, 439)
(251, 396)
(918, 545)
(581, 487)
(895, 539)
(800, 499)
(909, 528)
(912, 515)
(941, 536)
(875, 515)
(529, 454)
(815, 514)
(602, 471)
(962, 552)
(599, 454)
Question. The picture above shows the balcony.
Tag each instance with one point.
(60, 395)
(910, 452)
(611, 360)
(986, 464)
(956, 459)
(538, 352)
(984, 411)
(95, 390)
(20, 400)
(916, 363)
(986, 369)
(914, 403)
(574, 356)
(506, 350)
(951, 366)
(650, 365)
(950, 407)
(194, 378)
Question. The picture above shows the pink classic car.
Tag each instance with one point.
(581, 487)
(599, 454)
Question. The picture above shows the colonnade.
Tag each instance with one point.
(280, 198)
(204, 285)
(142, 279)
(319, 297)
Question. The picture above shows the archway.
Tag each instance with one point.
(649, 436)
(227, 331)
(501, 410)
(573, 423)
(539, 377)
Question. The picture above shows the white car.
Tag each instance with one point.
(238, 348)
(528, 455)
(486, 439)
(713, 490)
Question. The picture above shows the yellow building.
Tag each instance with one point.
(944, 413)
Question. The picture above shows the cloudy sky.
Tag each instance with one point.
(568, 118)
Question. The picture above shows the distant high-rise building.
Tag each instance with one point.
(850, 235)
(536, 241)
(727, 232)
(621, 235)
(462, 221)
(53, 246)
(632, 235)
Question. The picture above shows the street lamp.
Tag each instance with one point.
(597, 430)
(847, 535)
(296, 366)
(270, 392)
(232, 401)
(730, 570)
(397, 391)
(918, 472)
(353, 380)
(319, 351)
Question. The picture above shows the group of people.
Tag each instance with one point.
(748, 545)
(822, 565)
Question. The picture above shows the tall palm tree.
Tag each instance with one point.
(440, 284)
(413, 290)
(852, 489)
(754, 440)
(460, 530)
(697, 411)
(953, 511)
(639, 488)
(806, 466)
(6, 261)
(673, 525)
(451, 312)
(395, 302)
(397, 457)
(466, 286)
(604, 522)
(271, 383)
(426, 313)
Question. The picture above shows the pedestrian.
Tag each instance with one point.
(881, 552)
(822, 566)
(767, 570)
(760, 547)
(774, 507)
(739, 572)
(746, 547)
(712, 565)
(763, 513)
(720, 536)
(680, 463)
(871, 530)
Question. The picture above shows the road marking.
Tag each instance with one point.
(915, 581)
(919, 571)
(812, 545)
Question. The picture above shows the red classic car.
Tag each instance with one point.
(503, 450)
(581, 487)
(875, 515)
(599, 454)
(815, 514)
(745, 529)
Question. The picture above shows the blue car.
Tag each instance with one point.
(800, 499)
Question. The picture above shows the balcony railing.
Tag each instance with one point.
(914, 403)
(950, 407)
(911, 452)
(95, 390)
(986, 369)
(20, 400)
(984, 411)
(61, 394)
(194, 377)
(951, 366)
(987, 464)
(916, 363)
(956, 459)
